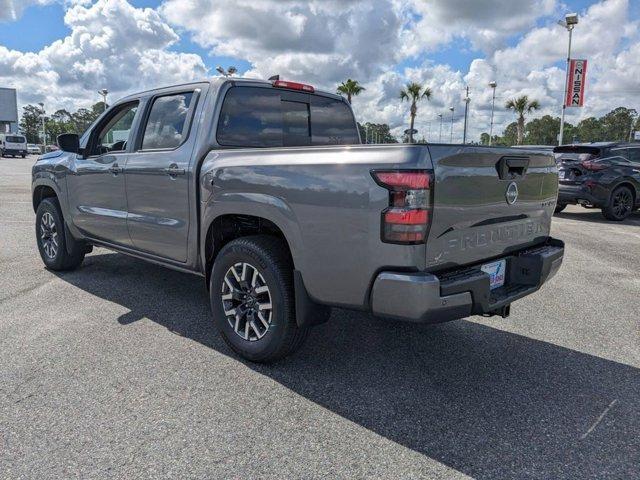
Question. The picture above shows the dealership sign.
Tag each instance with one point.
(575, 83)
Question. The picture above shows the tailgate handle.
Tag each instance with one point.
(512, 167)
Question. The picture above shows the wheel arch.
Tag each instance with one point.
(41, 190)
(229, 226)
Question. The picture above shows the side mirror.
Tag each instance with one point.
(69, 142)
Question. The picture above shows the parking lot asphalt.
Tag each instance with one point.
(114, 371)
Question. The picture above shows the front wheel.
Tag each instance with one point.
(560, 207)
(252, 299)
(620, 205)
(52, 240)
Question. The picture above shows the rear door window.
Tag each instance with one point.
(265, 117)
(166, 124)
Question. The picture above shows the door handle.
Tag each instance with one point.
(115, 169)
(173, 170)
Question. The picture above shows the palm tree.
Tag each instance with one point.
(413, 93)
(350, 88)
(521, 105)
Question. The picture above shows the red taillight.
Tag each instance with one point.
(404, 180)
(294, 86)
(592, 165)
(406, 220)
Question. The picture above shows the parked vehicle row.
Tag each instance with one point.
(264, 189)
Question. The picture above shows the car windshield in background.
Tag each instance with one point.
(15, 139)
(264, 117)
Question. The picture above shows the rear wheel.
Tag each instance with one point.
(560, 207)
(252, 299)
(52, 240)
(620, 205)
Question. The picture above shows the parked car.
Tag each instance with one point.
(13, 144)
(264, 190)
(33, 149)
(600, 175)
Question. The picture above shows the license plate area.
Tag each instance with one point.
(496, 271)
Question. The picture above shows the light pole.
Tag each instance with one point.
(228, 72)
(493, 85)
(569, 22)
(466, 117)
(44, 133)
(428, 131)
(451, 134)
(104, 92)
(440, 140)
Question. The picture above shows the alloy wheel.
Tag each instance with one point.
(622, 203)
(49, 235)
(246, 301)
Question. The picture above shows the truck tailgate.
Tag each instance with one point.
(488, 202)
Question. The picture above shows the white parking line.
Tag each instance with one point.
(598, 420)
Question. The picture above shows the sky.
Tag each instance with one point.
(61, 52)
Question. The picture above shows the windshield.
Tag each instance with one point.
(15, 139)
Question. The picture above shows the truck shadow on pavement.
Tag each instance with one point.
(488, 403)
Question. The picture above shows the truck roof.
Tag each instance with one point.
(219, 80)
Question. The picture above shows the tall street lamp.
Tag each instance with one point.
(451, 134)
(440, 115)
(104, 92)
(228, 72)
(569, 22)
(493, 85)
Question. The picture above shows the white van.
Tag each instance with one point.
(13, 144)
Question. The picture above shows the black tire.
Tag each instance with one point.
(560, 207)
(620, 204)
(23, 156)
(52, 239)
(270, 258)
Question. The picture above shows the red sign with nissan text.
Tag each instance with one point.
(575, 85)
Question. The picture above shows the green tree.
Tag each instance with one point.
(510, 135)
(414, 92)
(616, 124)
(31, 123)
(484, 138)
(376, 132)
(521, 106)
(590, 130)
(542, 131)
(350, 88)
(60, 122)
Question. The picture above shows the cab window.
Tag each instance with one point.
(266, 117)
(113, 133)
(166, 124)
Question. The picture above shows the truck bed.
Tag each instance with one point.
(327, 204)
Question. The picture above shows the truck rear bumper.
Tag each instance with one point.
(434, 298)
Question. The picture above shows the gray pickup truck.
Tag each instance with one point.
(263, 189)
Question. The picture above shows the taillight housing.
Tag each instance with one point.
(407, 218)
(592, 165)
